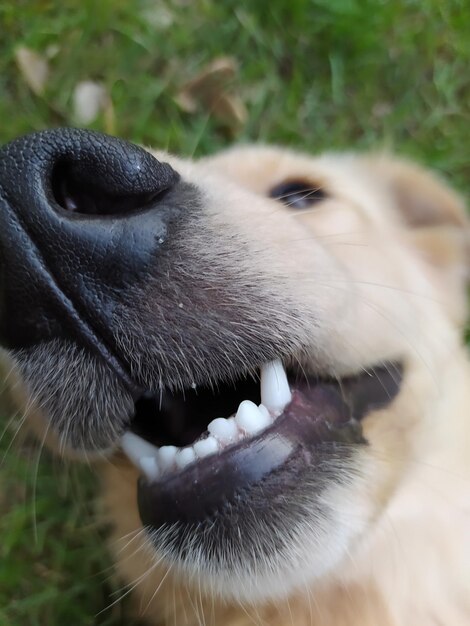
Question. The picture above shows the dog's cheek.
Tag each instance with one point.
(393, 434)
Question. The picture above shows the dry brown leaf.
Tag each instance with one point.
(186, 102)
(89, 100)
(219, 72)
(230, 110)
(34, 69)
(212, 90)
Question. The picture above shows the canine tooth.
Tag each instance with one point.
(136, 448)
(205, 447)
(275, 392)
(249, 418)
(166, 457)
(224, 430)
(149, 466)
(184, 456)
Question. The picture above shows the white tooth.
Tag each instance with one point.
(205, 447)
(184, 457)
(224, 430)
(249, 418)
(149, 466)
(166, 457)
(265, 412)
(135, 447)
(275, 392)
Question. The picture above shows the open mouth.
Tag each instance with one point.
(197, 449)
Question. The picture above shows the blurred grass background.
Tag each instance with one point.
(312, 74)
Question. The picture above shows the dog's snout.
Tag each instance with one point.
(82, 216)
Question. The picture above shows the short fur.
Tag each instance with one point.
(376, 272)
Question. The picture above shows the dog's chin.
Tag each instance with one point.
(253, 505)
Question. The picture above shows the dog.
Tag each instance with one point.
(262, 354)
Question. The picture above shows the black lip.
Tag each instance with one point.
(291, 443)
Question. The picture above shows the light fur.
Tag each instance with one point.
(412, 565)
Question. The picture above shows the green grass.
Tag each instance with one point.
(52, 565)
(323, 74)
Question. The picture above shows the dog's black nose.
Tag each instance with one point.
(82, 217)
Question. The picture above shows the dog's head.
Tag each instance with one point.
(146, 301)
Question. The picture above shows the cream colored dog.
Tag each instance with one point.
(345, 499)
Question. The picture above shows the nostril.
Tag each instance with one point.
(76, 192)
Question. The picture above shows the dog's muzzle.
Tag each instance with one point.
(82, 217)
(127, 324)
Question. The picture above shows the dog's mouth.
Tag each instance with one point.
(200, 448)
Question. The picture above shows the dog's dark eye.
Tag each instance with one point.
(298, 194)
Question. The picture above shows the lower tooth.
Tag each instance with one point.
(135, 447)
(249, 418)
(205, 447)
(224, 430)
(184, 457)
(149, 467)
(264, 411)
(166, 457)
